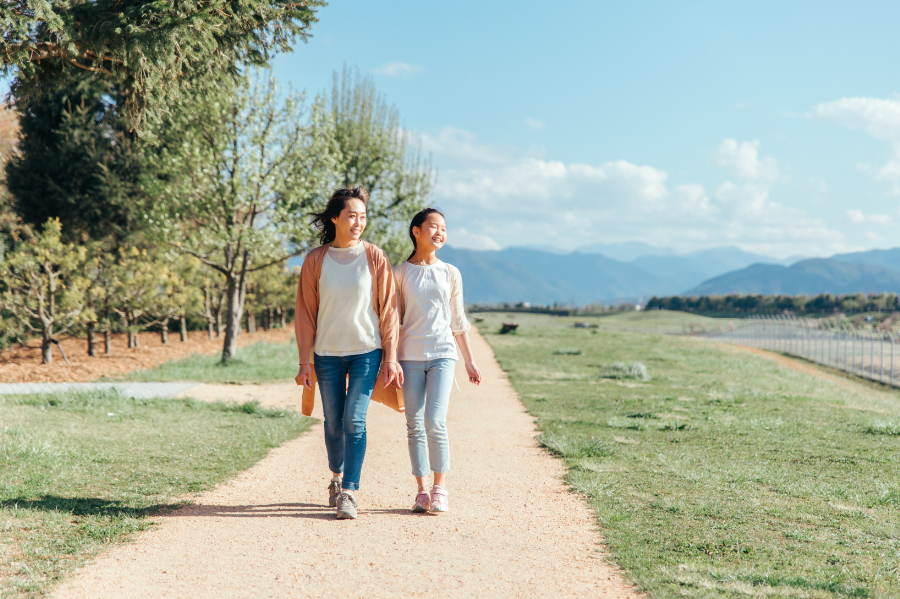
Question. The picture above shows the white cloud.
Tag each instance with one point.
(398, 69)
(857, 217)
(878, 117)
(534, 123)
(743, 160)
(519, 199)
(462, 238)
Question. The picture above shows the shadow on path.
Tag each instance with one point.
(275, 510)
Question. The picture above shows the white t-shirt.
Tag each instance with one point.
(347, 324)
(433, 311)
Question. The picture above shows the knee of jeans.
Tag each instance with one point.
(352, 427)
(334, 429)
(414, 428)
(435, 425)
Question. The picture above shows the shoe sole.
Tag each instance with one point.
(345, 516)
(419, 510)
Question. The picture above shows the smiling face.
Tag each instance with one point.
(351, 222)
(432, 235)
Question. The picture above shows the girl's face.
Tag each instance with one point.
(351, 222)
(432, 235)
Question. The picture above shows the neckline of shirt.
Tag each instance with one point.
(424, 265)
(348, 250)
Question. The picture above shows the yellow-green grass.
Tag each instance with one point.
(258, 363)
(79, 472)
(726, 474)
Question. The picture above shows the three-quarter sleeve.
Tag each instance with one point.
(459, 324)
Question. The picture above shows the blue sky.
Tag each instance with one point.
(772, 126)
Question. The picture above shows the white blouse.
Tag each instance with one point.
(432, 309)
(347, 324)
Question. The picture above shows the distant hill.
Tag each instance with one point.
(887, 258)
(527, 275)
(688, 271)
(818, 275)
(625, 251)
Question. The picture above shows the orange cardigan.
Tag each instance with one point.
(385, 303)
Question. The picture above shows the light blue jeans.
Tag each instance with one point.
(426, 395)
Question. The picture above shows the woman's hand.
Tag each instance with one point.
(393, 374)
(305, 376)
(473, 372)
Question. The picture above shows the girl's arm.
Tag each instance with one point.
(472, 370)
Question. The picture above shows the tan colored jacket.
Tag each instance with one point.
(384, 299)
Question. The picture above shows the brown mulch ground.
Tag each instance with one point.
(22, 364)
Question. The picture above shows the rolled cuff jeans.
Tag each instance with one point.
(426, 397)
(346, 384)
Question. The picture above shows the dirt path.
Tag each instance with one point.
(514, 530)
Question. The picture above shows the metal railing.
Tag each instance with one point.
(864, 352)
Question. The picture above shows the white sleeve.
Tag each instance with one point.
(459, 324)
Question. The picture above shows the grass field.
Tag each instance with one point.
(83, 471)
(726, 474)
(257, 363)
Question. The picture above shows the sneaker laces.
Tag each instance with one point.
(348, 497)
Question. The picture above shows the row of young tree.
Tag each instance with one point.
(745, 305)
(146, 181)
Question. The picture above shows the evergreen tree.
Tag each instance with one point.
(78, 161)
(157, 50)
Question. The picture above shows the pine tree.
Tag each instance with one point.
(157, 50)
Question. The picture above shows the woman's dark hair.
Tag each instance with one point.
(417, 221)
(336, 203)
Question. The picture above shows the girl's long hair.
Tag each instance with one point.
(417, 221)
(336, 203)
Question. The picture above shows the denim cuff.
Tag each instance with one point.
(350, 486)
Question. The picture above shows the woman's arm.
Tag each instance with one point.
(465, 348)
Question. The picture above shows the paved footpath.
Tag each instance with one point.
(514, 529)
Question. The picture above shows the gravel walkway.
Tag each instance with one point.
(133, 390)
(514, 530)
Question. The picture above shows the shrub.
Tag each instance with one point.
(621, 370)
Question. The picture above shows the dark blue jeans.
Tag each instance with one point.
(346, 403)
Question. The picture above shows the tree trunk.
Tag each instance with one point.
(132, 336)
(282, 314)
(107, 341)
(164, 331)
(90, 340)
(219, 323)
(235, 306)
(182, 321)
(271, 317)
(46, 353)
(210, 325)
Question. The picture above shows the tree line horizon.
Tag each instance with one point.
(739, 304)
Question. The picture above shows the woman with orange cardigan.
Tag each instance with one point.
(347, 329)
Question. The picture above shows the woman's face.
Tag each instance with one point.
(351, 222)
(432, 235)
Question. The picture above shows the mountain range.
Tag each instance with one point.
(589, 275)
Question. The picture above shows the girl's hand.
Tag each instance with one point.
(393, 373)
(473, 372)
(305, 376)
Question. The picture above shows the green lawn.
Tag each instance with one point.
(83, 471)
(258, 363)
(725, 474)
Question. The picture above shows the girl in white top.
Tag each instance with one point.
(432, 325)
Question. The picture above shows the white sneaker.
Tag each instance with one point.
(440, 501)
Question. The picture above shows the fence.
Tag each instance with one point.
(864, 352)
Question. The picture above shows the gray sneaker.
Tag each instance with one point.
(334, 490)
(346, 506)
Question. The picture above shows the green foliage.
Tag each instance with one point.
(234, 191)
(158, 52)
(42, 286)
(78, 161)
(743, 305)
(727, 474)
(83, 471)
(376, 152)
(621, 370)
